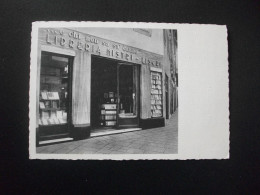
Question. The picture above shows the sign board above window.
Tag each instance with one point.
(77, 41)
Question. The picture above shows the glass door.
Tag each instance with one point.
(128, 95)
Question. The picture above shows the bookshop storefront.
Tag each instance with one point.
(86, 83)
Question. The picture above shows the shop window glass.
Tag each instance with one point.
(53, 98)
(156, 94)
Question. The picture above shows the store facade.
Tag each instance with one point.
(86, 83)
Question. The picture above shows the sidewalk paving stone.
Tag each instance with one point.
(162, 140)
(66, 149)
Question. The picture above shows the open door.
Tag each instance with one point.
(127, 96)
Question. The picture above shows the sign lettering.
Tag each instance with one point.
(98, 46)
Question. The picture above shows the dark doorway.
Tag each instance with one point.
(128, 95)
(114, 94)
(103, 82)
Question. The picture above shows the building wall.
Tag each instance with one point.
(170, 68)
(130, 37)
(58, 42)
(145, 93)
(81, 93)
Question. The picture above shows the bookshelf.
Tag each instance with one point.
(53, 98)
(156, 94)
(108, 110)
(50, 110)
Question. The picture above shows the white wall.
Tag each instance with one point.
(129, 37)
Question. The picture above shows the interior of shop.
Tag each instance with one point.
(103, 84)
(112, 92)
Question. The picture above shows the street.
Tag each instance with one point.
(163, 140)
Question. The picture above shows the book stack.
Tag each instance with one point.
(108, 110)
(45, 117)
(50, 111)
(108, 115)
(61, 116)
(45, 95)
(53, 118)
(156, 94)
(110, 123)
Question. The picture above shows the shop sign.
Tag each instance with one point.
(97, 46)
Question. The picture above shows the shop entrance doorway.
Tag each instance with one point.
(128, 95)
(114, 94)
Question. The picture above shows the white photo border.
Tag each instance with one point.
(203, 92)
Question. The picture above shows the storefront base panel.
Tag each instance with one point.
(127, 123)
(52, 137)
(79, 133)
(44, 138)
(44, 133)
(152, 123)
(53, 130)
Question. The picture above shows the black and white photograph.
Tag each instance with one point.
(142, 97)
(106, 91)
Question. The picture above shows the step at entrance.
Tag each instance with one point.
(112, 131)
(55, 141)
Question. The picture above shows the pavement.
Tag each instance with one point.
(163, 140)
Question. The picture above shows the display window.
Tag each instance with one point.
(156, 94)
(54, 89)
